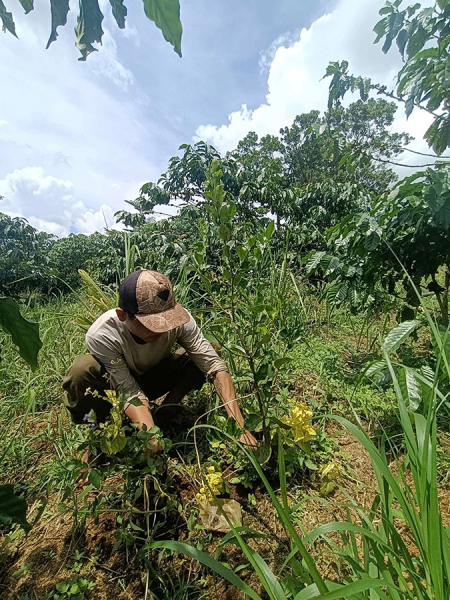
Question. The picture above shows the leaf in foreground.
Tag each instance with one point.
(59, 10)
(399, 335)
(89, 27)
(208, 561)
(24, 333)
(166, 16)
(13, 508)
(7, 20)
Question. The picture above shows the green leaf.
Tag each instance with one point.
(253, 421)
(7, 20)
(395, 23)
(111, 447)
(95, 478)
(264, 371)
(136, 402)
(166, 16)
(398, 335)
(226, 212)
(402, 39)
(89, 27)
(59, 10)
(416, 42)
(262, 453)
(340, 591)
(224, 232)
(380, 29)
(412, 9)
(24, 333)
(62, 508)
(314, 261)
(281, 361)
(191, 523)
(119, 11)
(208, 561)
(310, 465)
(327, 488)
(337, 292)
(13, 508)
(410, 387)
(227, 275)
(270, 229)
(241, 252)
(27, 5)
(374, 368)
(267, 576)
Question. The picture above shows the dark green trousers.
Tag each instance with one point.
(86, 375)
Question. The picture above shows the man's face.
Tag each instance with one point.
(136, 328)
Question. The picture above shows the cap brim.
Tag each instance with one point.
(166, 320)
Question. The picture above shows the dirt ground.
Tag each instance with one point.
(35, 563)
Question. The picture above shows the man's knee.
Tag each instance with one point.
(83, 369)
(84, 376)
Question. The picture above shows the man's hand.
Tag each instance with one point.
(83, 476)
(154, 446)
(142, 415)
(248, 439)
(87, 456)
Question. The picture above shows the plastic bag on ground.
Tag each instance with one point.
(212, 519)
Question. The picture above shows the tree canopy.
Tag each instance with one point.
(422, 36)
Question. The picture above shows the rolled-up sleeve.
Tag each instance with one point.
(120, 376)
(199, 349)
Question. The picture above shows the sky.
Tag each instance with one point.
(79, 138)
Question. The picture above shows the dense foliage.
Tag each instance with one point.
(423, 40)
(403, 239)
(23, 255)
(304, 178)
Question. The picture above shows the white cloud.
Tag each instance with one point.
(105, 63)
(296, 68)
(266, 56)
(74, 132)
(3, 122)
(96, 220)
(416, 125)
(50, 204)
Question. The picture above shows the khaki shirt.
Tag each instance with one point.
(111, 343)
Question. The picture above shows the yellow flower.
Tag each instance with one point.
(299, 419)
(214, 486)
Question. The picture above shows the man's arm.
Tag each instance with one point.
(227, 393)
(123, 381)
(207, 360)
(142, 416)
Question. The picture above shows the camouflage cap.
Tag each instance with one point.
(149, 296)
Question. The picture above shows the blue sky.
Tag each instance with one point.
(77, 139)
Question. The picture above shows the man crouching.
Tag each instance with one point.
(131, 352)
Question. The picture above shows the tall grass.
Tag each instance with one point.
(398, 548)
